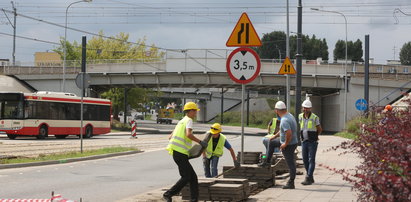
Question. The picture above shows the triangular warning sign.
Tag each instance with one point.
(287, 67)
(244, 33)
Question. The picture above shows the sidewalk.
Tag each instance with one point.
(327, 187)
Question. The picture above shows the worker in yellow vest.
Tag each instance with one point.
(310, 128)
(271, 142)
(215, 150)
(179, 146)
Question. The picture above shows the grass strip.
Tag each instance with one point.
(346, 135)
(62, 157)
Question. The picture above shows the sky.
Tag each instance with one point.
(201, 24)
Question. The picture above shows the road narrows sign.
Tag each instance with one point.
(287, 67)
(243, 65)
(244, 34)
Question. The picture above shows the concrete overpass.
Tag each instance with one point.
(206, 69)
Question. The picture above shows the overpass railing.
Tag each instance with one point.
(204, 60)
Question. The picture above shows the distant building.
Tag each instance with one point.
(393, 62)
(47, 59)
(4, 62)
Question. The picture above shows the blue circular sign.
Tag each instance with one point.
(361, 104)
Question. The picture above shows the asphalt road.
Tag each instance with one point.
(106, 179)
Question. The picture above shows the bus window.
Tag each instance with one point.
(12, 110)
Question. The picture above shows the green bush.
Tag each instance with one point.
(257, 119)
(354, 125)
(120, 126)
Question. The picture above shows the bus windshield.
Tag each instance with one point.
(11, 106)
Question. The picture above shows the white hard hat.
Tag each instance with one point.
(307, 104)
(280, 105)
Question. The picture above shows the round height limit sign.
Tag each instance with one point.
(243, 65)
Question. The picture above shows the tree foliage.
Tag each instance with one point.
(116, 47)
(135, 96)
(274, 44)
(354, 50)
(405, 54)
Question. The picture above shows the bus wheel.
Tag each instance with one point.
(89, 132)
(43, 132)
(11, 136)
(60, 136)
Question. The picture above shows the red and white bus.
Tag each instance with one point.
(42, 113)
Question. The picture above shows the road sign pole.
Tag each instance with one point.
(287, 93)
(83, 70)
(242, 123)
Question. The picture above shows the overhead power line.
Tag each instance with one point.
(29, 38)
(79, 30)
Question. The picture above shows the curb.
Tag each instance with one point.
(70, 160)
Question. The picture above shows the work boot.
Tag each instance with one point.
(307, 181)
(264, 164)
(167, 197)
(311, 179)
(289, 185)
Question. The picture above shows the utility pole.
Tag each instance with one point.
(14, 32)
(299, 57)
(367, 72)
(287, 53)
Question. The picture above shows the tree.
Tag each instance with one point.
(405, 54)
(354, 50)
(135, 96)
(117, 47)
(274, 43)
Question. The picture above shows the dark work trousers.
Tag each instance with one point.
(270, 146)
(309, 150)
(188, 175)
(288, 153)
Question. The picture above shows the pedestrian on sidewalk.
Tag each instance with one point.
(310, 128)
(271, 141)
(215, 150)
(288, 140)
(179, 146)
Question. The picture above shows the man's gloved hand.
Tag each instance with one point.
(236, 164)
(203, 144)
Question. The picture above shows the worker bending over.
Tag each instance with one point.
(179, 146)
(215, 150)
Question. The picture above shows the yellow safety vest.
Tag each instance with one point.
(219, 150)
(311, 122)
(272, 128)
(179, 141)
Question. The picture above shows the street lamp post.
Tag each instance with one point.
(346, 53)
(65, 44)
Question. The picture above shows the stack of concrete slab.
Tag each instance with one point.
(227, 192)
(203, 189)
(246, 184)
(265, 177)
(225, 189)
(250, 157)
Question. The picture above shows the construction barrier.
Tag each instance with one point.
(133, 129)
(55, 198)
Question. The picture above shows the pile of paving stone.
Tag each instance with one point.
(214, 189)
(264, 176)
(250, 157)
